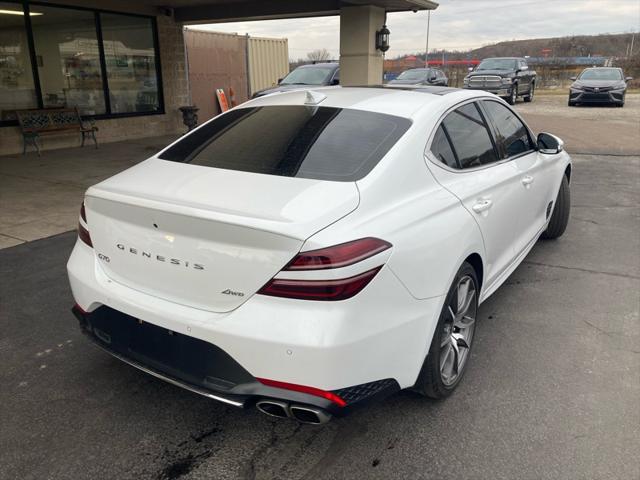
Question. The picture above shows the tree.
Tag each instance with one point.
(321, 55)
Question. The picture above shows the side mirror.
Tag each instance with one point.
(523, 68)
(628, 79)
(280, 80)
(549, 144)
(573, 79)
(470, 69)
(335, 81)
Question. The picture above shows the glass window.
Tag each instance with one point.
(441, 148)
(311, 75)
(131, 63)
(470, 137)
(336, 77)
(323, 143)
(17, 89)
(68, 58)
(601, 74)
(498, 64)
(512, 134)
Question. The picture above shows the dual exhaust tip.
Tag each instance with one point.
(301, 413)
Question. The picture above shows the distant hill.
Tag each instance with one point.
(606, 45)
(578, 46)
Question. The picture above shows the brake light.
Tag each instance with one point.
(319, 289)
(83, 233)
(338, 256)
(328, 289)
(304, 389)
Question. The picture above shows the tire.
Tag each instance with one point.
(438, 378)
(513, 95)
(529, 97)
(560, 216)
(571, 104)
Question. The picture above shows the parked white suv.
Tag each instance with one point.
(310, 251)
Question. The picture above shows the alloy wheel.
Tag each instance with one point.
(458, 331)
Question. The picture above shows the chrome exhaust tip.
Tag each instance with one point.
(273, 408)
(310, 415)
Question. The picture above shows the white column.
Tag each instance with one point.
(360, 62)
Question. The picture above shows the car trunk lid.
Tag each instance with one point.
(205, 237)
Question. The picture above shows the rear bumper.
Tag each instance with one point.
(362, 348)
(201, 367)
(611, 97)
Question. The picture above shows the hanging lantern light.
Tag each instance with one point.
(382, 39)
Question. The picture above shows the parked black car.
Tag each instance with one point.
(599, 85)
(421, 76)
(316, 74)
(508, 77)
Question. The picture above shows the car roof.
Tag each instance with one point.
(402, 101)
(317, 65)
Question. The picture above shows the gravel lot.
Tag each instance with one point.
(602, 130)
(552, 392)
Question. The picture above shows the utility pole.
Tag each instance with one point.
(426, 53)
(633, 37)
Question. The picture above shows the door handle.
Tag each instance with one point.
(527, 181)
(482, 205)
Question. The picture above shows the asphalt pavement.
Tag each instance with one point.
(552, 390)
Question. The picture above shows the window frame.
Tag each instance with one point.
(26, 7)
(431, 157)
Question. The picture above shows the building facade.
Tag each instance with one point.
(123, 67)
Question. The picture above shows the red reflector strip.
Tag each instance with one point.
(83, 234)
(79, 309)
(332, 290)
(338, 256)
(303, 389)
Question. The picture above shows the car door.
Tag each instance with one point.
(524, 77)
(467, 163)
(535, 170)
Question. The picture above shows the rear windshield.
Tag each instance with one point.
(321, 143)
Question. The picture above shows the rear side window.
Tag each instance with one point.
(470, 137)
(441, 148)
(321, 143)
(512, 134)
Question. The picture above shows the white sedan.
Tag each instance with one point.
(307, 252)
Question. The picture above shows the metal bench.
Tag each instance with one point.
(35, 123)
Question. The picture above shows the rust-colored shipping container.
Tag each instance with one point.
(231, 61)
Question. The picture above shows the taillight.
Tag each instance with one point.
(304, 389)
(338, 256)
(328, 289)
(83, 233)
(319, 289)
(83, 214)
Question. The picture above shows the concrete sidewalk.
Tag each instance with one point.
(41, 196)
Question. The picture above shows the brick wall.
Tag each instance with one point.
(175, 87)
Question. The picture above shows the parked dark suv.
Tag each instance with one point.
(599, 85)
(421, 76)
(508, 77)
(316, 74)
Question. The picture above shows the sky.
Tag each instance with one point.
(458, 25)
